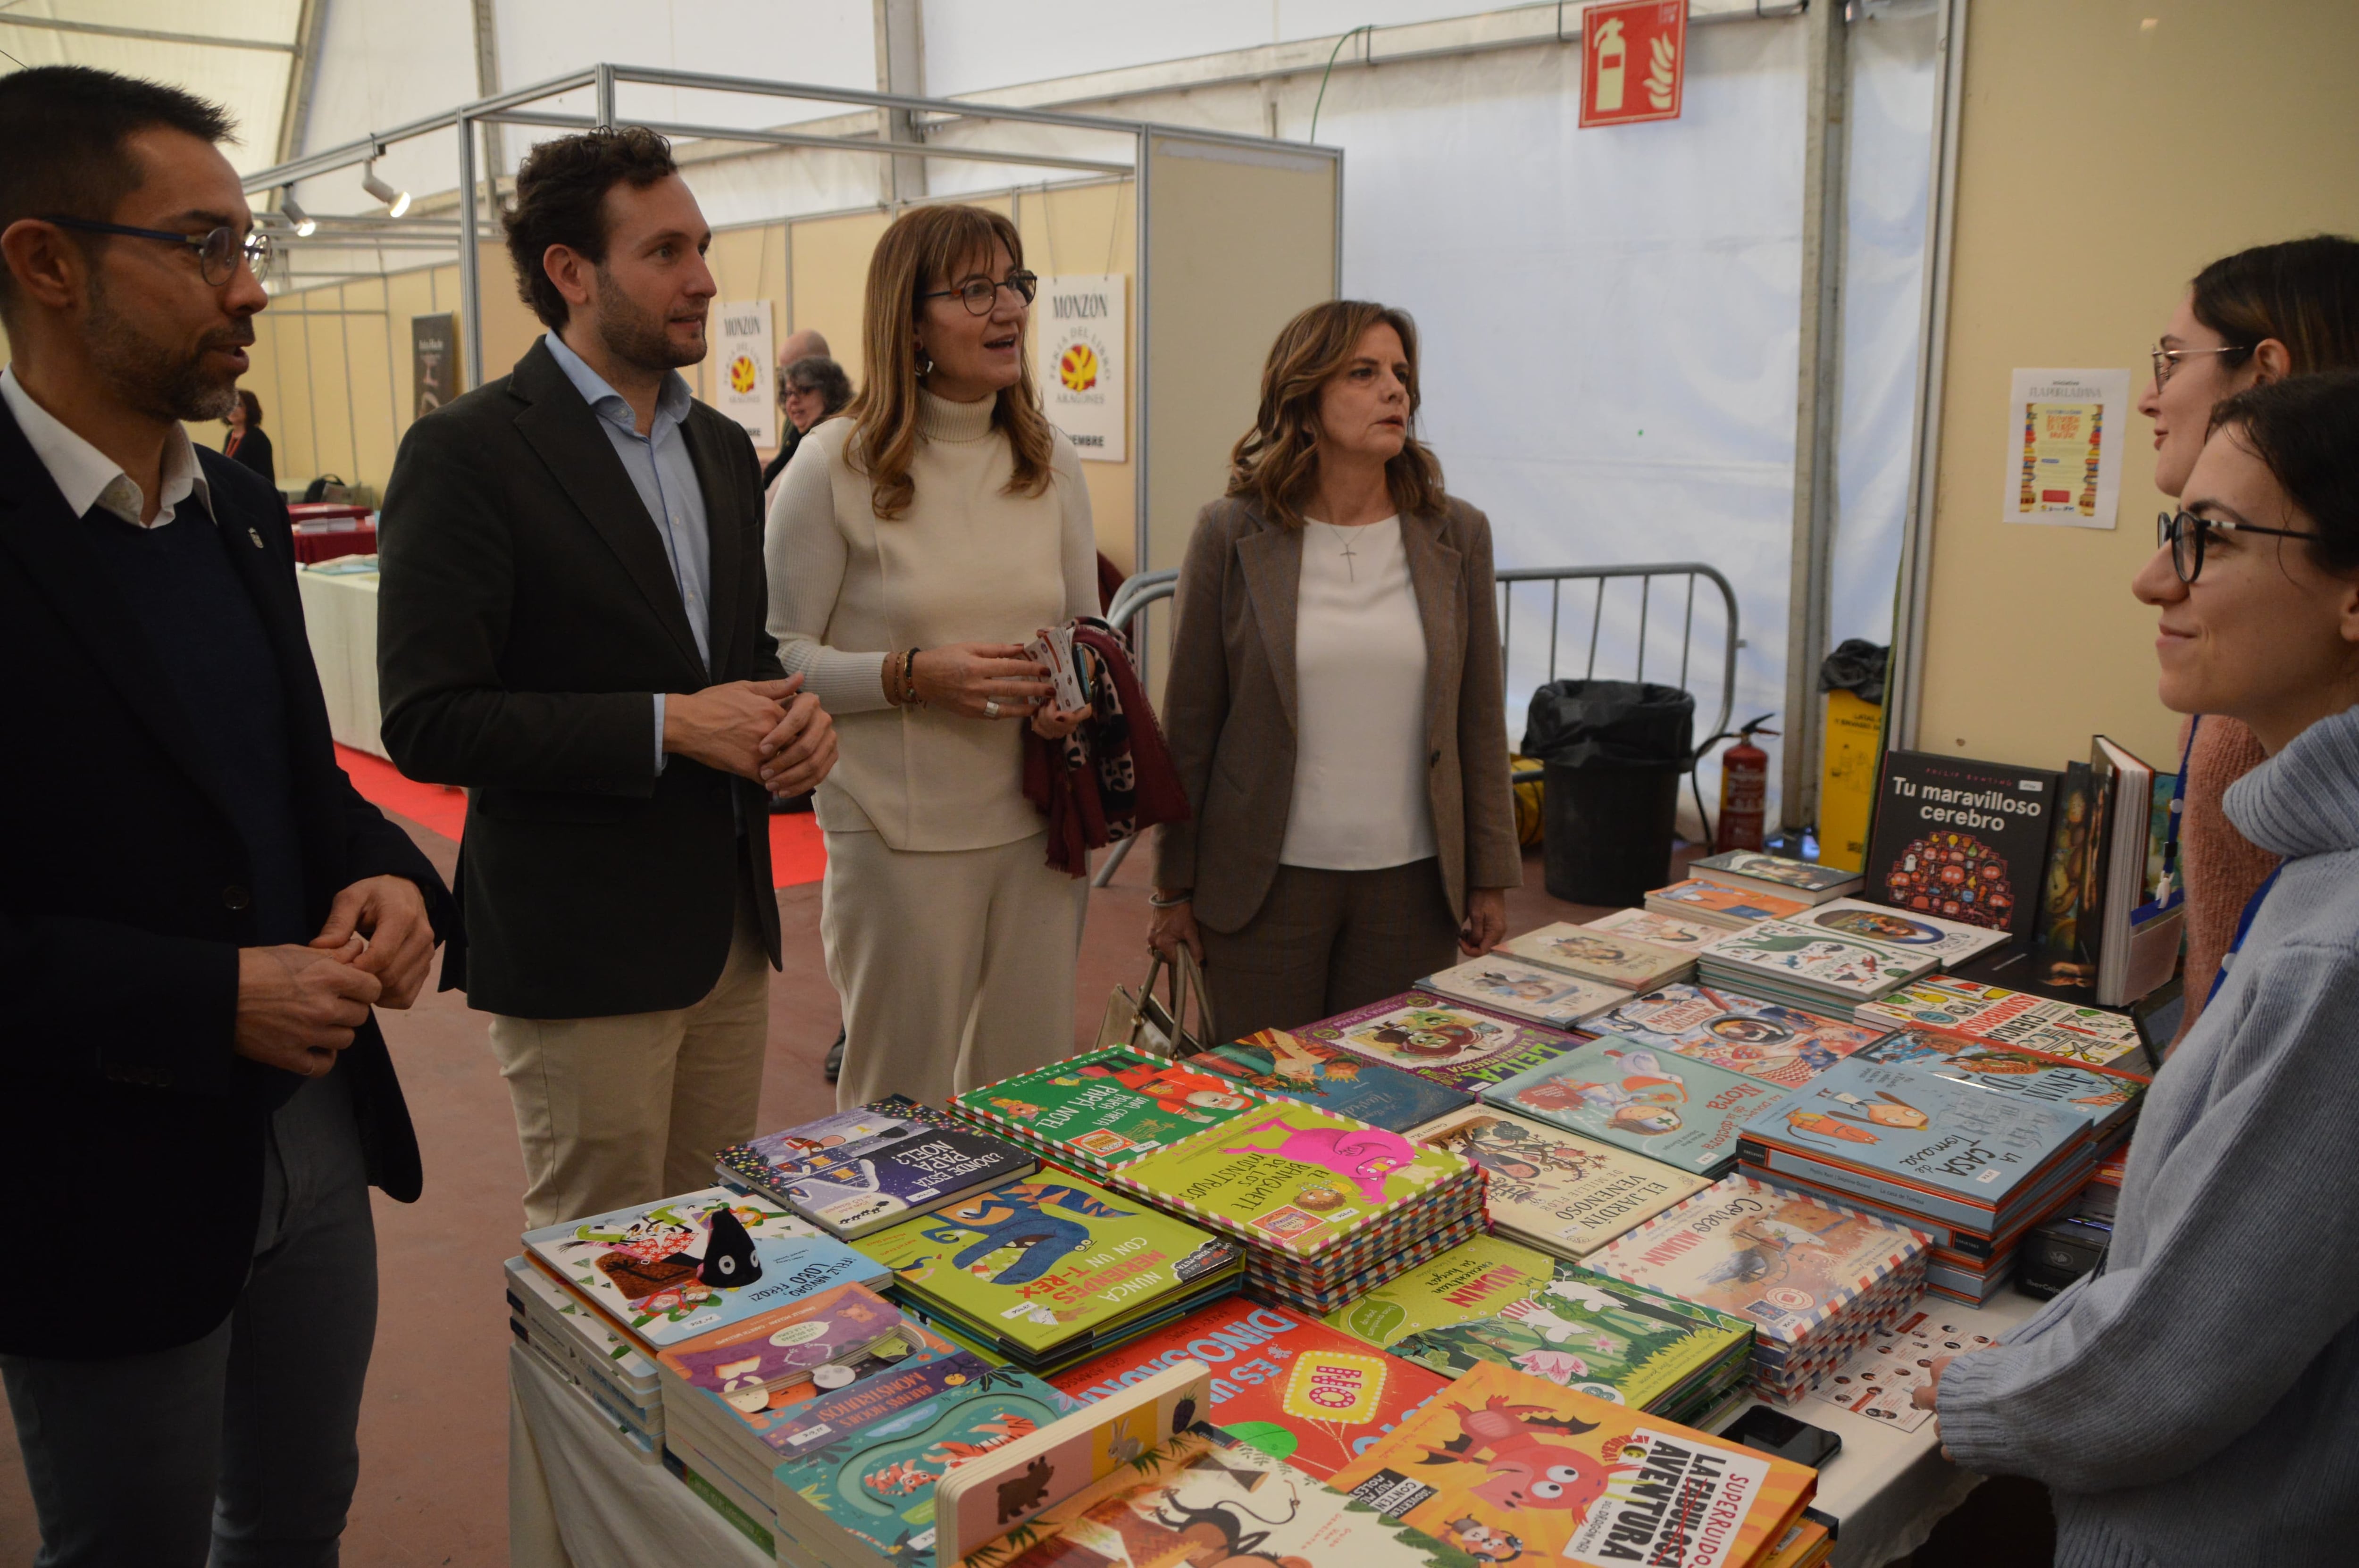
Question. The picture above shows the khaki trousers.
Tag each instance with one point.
(955, 965)
(1325, 942)
(624, 1110)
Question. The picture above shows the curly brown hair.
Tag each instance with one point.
(1275, 464)
(560, 200)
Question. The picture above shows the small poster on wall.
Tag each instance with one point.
(433, 363)
(1633, 61)
(1077, 339)
(741, 384)
(2065, 430)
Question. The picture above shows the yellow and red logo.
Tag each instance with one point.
(1077, 368)
(744, 374)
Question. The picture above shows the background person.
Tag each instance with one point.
(247, 445)
(191, 941)
(914, 549)
(811, 389)
(2196, 1400)
(570, 624)
(808, 343)
(2249, 318)
(1334, 702)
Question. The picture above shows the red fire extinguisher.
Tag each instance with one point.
(1744, 790)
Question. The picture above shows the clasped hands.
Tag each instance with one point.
(771, 732)
(298, 1007)
(985, 680)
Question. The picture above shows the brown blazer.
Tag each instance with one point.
(1229, 707)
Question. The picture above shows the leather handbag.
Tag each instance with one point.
(1147, 1023)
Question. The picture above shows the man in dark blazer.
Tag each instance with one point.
(571, 624)
(196, 909)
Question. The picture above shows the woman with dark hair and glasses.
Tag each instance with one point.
(2195, 1400)
(2249, 319)
(246, 444)
(813, 388)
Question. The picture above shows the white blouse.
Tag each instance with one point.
(1360, 799)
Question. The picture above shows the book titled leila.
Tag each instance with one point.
(1963, 840)
(1452, 1045)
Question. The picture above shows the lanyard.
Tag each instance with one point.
(2162, 889)
(2244, 927)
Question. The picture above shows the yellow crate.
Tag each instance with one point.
(1847, 784)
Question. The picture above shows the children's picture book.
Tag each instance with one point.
(1524, 990)
(1715, 903)
(1557, 1190)
(910, 1347)
(1946, 942)
(1754, 871)
(1880, 1380)
(1472, 1280)
(670, 1270)
(1033, 1265)
(1105, 1109)
(1448, 1043)
(1684, 1112)
(1509, 1467)
(1631, 962)
(2057, 933)
(1962, 840)
(1281, 1380)
(742, 1362)
(1792, 953)
(1764, 1040)
(1663, 930)
(2105, 1099)
(2084, 1036)
(856, 1172)
(1292, 1178)
(1323, 1074)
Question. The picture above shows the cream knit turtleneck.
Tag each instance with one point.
(967, 563)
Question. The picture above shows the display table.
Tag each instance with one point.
(339, 613)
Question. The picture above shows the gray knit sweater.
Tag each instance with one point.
(2198, 1401)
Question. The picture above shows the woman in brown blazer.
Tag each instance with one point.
(1333, 703)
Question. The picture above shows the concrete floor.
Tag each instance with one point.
(433, 1486)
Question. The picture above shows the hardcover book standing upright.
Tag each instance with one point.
(1963, 840)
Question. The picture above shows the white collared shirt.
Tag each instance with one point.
(88, 477)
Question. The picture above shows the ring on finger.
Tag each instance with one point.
(991, 708)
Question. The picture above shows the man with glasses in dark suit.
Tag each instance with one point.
(196, 912)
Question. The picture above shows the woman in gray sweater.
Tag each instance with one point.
(2196, 1400)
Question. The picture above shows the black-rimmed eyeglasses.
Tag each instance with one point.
(979, 294)
(218, 250)
(2184, 533)
(2167, 359)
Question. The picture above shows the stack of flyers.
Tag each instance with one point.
(1053, 649)
(1558, 1191)
(2084, 1036)
(1808, 967)
(1764, 1040)
(1711, 903)
(860, 1171)
(1946, 942)
(1104, 1109)
(1439, 1040)
(1523, 990)
(577, 1345)
(1322, 1203)
(1880, 1380)
(1685, 1113)
(1662, 930)
(1816, 1278)
(1323, 1074)
(1608, 957)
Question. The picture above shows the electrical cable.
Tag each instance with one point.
(1368, 27)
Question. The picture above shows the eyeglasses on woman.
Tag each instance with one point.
(979, 294)
(2185, 532)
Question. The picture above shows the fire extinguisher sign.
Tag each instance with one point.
(1633, 61)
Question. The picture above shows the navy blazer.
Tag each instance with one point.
(131, 1134)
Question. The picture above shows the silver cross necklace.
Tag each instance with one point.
(1350, 556)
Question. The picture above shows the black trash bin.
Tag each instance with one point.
(1612, 752)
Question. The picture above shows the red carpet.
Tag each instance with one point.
(798, 851)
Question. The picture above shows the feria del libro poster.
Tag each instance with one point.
(1078, 362)
(741, 384)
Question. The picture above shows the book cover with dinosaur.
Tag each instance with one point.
(1451, 1045)
(670, 1270)
(1281, 1380)
(1608, 957)
(1510, 1467)
(1320, 1072)
(1684, 1112)
(1035, 1264)
(1293, 1179)
(1764, 1040)
(1471, 1280)
(1104, 1109)
(1560, 1192)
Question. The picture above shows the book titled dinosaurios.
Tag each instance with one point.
(1509, 1467)
(1104, 1109)
(1043, 1268)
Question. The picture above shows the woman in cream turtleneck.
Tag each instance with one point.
(916, 542)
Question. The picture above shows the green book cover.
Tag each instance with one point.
(1110, 1108)
(1293, 1179)
(1041, 1262)
(1471, 1280)
(1584, 1331)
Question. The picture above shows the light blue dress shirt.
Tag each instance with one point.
(665, 476)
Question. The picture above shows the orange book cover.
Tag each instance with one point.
(1502, 1465)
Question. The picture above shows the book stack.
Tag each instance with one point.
(1323, 1074)
(1750, 870)
(1582, 1330)
(1808, 967)
(1440, 1041)
(1289, 1385)
(1629, 962)
(1525, 991)
(1325, 1207)
(1662, 930)
(1764, 1040)
(860, 1171)
(1947, 942)
(2084, 1036)
(1815, 1278)
(1683, 1112)
(1701, 903)
(1971, 1168)
(1051, 1271)
(2109, 1100)
(1510, 1465)
(572, 1343)
(1554, 1189)
(1104, 1109)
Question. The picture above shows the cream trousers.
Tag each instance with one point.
(955, 965)
(624, 1110)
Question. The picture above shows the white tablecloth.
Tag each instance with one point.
(340, 614)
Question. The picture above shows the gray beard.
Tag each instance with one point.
(145, 376)
(633, 335)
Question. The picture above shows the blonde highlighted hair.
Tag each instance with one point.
(1275, 465)
(929, 248)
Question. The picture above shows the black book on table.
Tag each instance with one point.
(1963, 839)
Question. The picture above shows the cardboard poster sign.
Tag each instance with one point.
(1078, 362)
(433, 363)
(741, 384)
(1633, 61)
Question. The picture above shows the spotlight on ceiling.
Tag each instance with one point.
(305, 224)
(396, 202)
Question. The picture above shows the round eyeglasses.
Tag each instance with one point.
(218, 250)
(2185, 532)
(979, 294)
